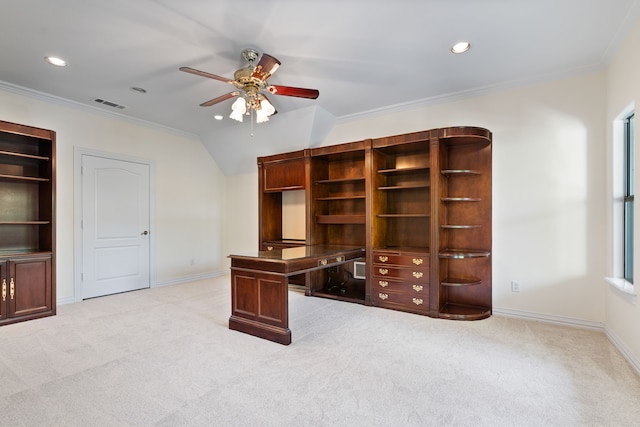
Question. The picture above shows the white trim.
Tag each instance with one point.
(542, 317)
(78, 152)
(186, 279)
(623, 349)
(633, 360)
(20, 90)
(623, 288)
(468, 94)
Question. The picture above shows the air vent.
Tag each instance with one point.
(108, 103)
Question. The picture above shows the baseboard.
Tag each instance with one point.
(186, 279)
(633, 360)
(541, 317)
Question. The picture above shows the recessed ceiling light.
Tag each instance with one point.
(54, 60)
(217, 117)
(461, 47)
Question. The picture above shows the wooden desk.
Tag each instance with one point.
(259, 289)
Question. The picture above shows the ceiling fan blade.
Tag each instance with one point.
(293, 91)
(205, 74)
(220, 99)
(266, 67)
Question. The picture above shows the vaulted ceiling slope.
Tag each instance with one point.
(362, 55)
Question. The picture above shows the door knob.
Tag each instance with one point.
(144, 233)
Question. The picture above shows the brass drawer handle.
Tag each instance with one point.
(340, 259)
(418, 288)
(383, 271)
(417, 274)
(383, 283)
(383, 258)
(417, 301)
(417, 261)
(323, 262)
(12, 288)
(4, 289)
(269, 248)
(383, 297)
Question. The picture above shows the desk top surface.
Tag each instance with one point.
(299, 252)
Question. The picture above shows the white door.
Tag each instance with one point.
(115, 226)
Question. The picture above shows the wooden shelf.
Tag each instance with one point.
(464, 312)
(447, 172)
(25, 222)
(24, 178)
(460, 199)
(23, 155)
(452, 281)
(404, 187)
(341, 219)
(397, 215)
(336, 198)
(339, 180)
(463, 253)
(404, 170)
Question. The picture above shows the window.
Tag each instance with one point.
(628, 171)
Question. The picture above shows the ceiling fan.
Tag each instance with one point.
(252, 85)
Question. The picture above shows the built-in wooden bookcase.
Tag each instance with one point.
(27, 222)
(463, 204)
(419, 203)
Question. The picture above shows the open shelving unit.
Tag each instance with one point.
(27, 222)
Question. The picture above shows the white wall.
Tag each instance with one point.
(623, 90)
(190, 188)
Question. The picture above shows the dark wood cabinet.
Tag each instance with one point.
(419, 203)
(27, 222)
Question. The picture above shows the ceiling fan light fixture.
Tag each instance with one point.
(460, 47)
(238, 108)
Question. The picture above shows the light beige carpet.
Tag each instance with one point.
(165, 357)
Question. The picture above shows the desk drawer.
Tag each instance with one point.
(384, 285)
(414, 260)
(420, 275)
(403, 301)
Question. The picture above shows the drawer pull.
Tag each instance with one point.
(383, 271)
(417, 261)
(418, 288)
(269, 248)
(4, 289)
(340, 259)
(383, 258)
(383, 283)
(12, 288)
(417, 301)
(417, 274)
(323, 262)
(382, 296)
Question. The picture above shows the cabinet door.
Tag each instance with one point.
(29, 286)
(4, 290)
(282, 176)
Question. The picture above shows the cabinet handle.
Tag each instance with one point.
(417, 301)
(323, 262)
(383, 271)
(383, 296)
(12, 288)
(269, 248)
(383, 283)
(417, 288)
(4, 289)
(340, 259)
(417, 274)
(417, 261)
(383, 258)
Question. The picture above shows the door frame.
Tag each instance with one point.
(78, 152)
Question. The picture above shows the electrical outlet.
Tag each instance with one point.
(515, 286)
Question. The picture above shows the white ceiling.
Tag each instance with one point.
(361, 55)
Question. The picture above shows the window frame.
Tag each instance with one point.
(628, 197)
